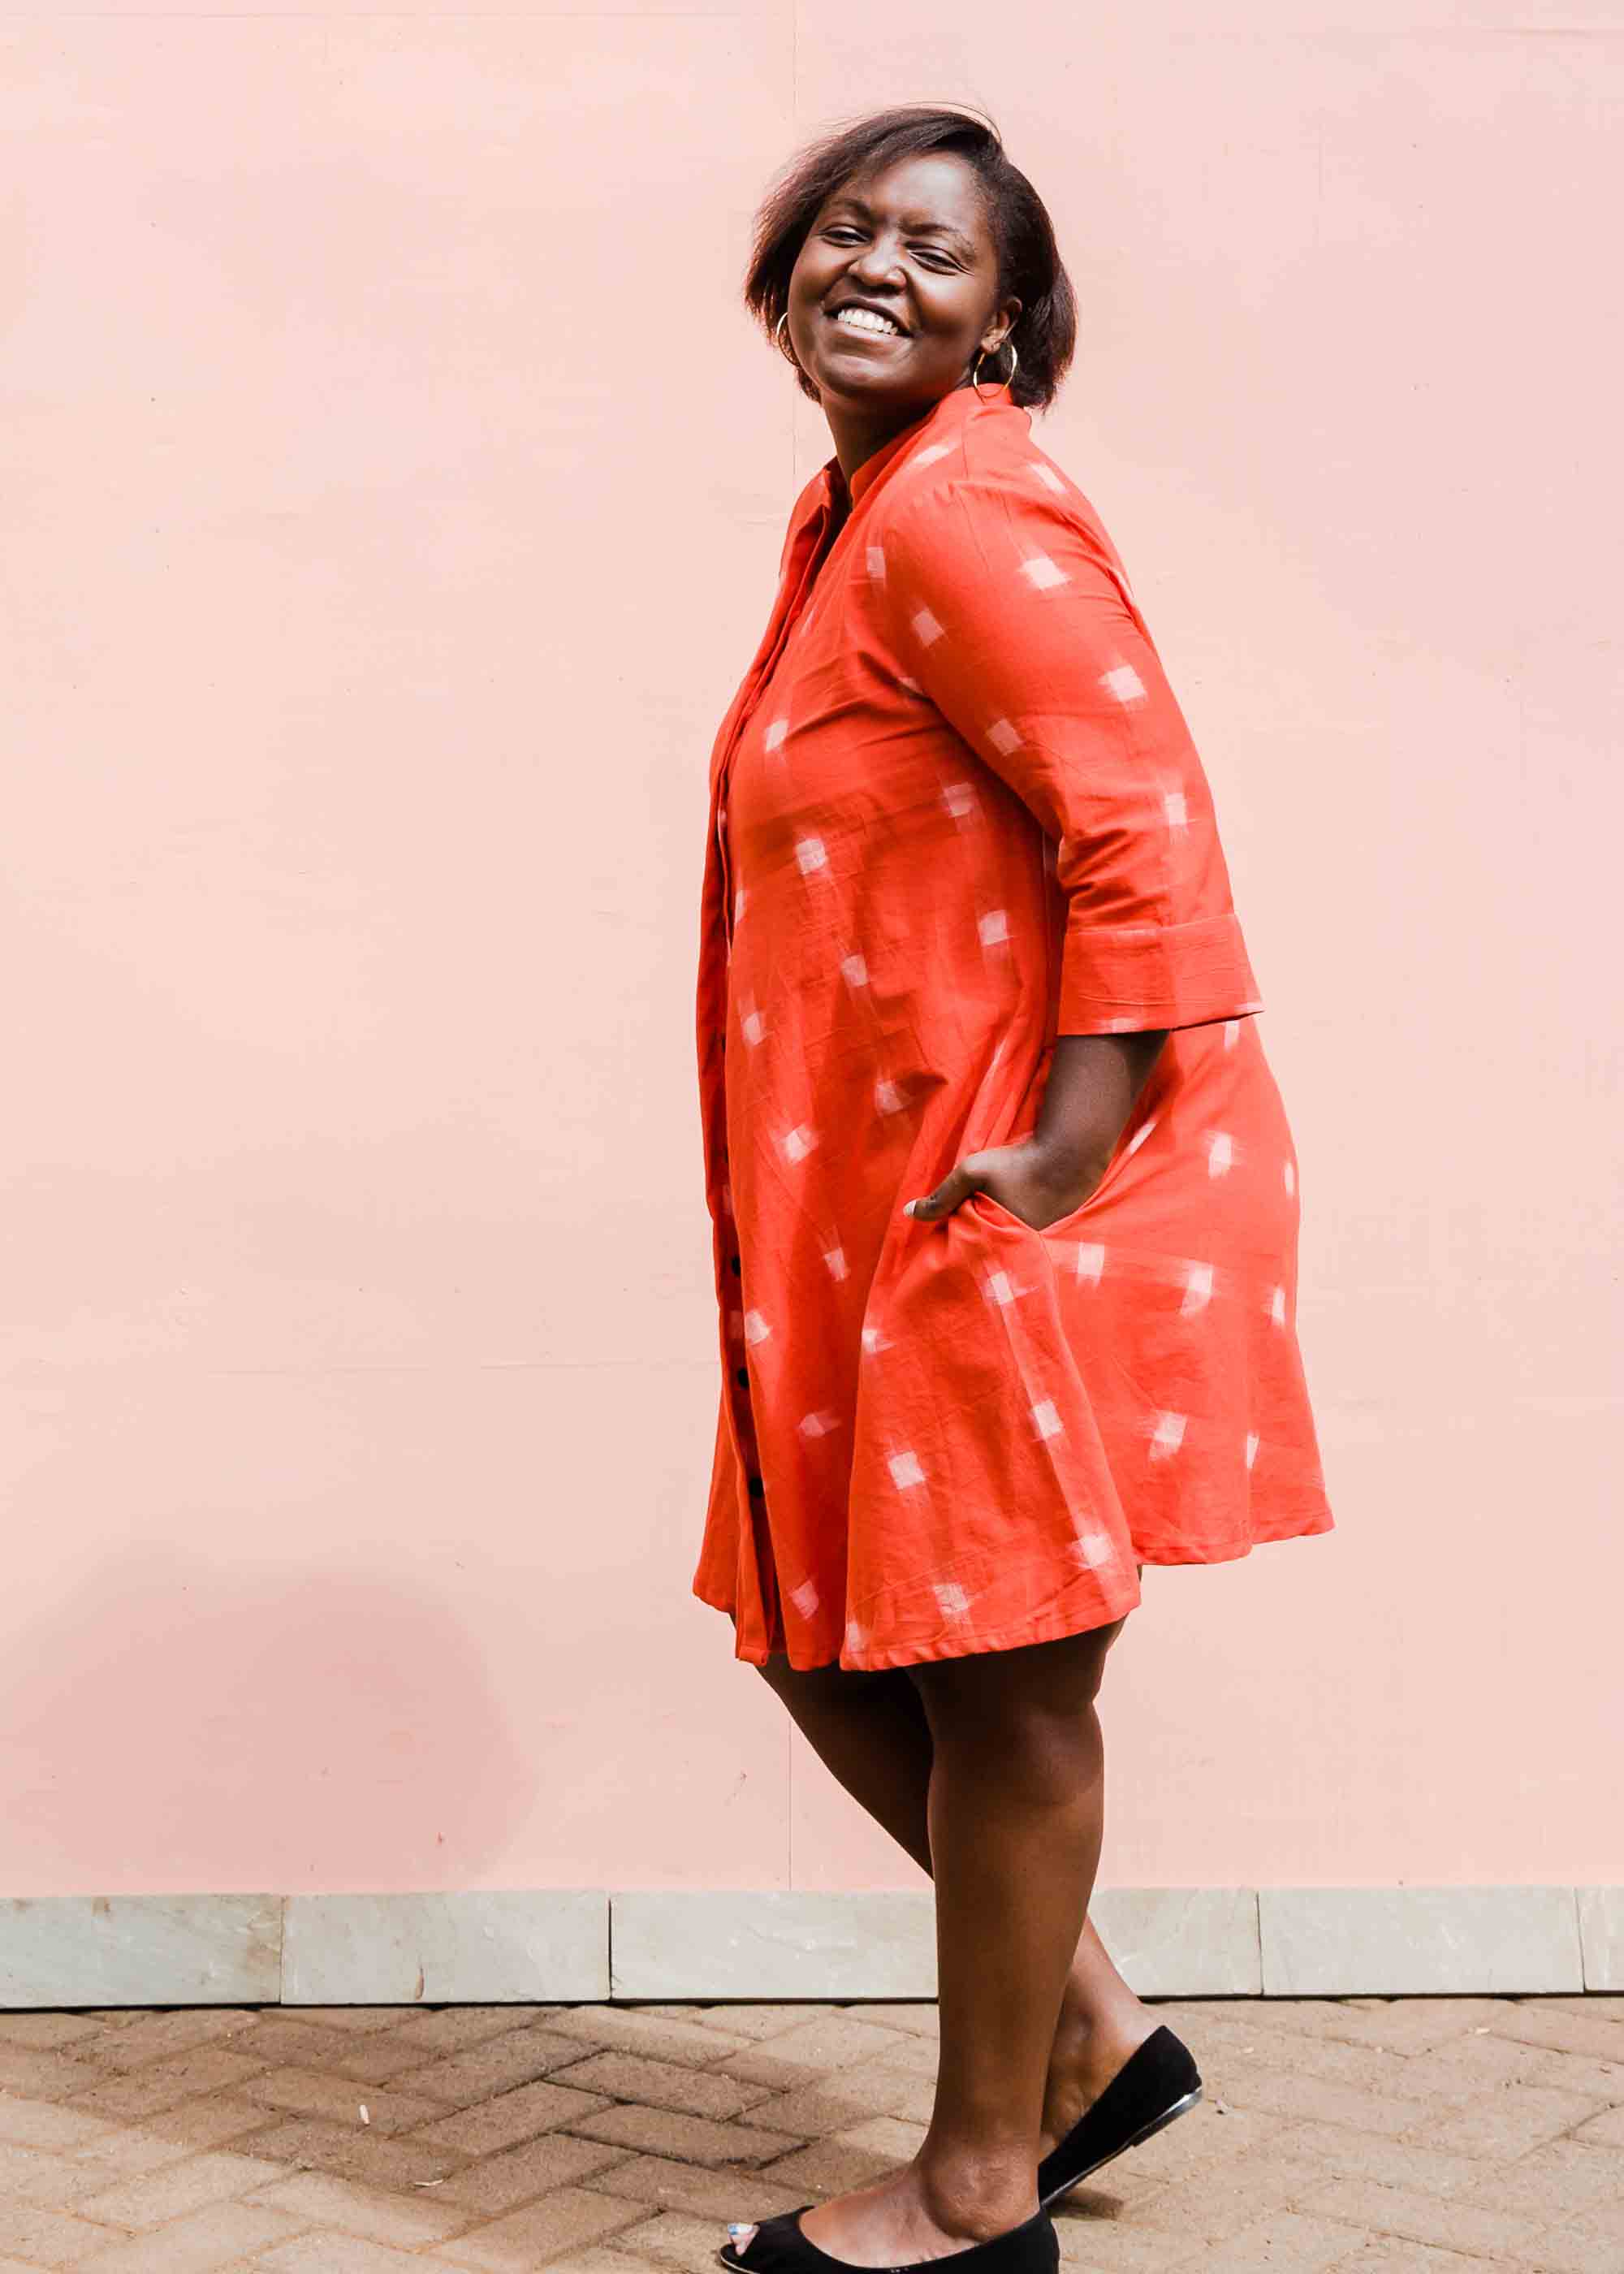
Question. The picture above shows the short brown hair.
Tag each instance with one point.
(1029, 264)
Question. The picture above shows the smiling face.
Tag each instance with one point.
(910, 245)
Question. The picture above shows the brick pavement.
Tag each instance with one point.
(1357, 2136)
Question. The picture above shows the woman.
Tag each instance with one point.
(1004, 1201)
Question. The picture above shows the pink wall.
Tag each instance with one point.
(394, 492)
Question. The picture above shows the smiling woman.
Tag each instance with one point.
(1004, 1198)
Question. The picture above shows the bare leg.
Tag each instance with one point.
(871, 1732)
(1014, 1819)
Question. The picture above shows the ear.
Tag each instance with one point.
(1003, 320)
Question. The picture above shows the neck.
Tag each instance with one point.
(858, 433)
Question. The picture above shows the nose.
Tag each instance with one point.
(875, 264)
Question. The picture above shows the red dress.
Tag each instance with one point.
(956, 810)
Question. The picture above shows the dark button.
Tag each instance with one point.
(757, 1488)
(741, 1375)
(734, 1265)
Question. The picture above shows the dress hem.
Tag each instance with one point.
(1051, 1630)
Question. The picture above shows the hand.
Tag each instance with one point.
(1033, 1182)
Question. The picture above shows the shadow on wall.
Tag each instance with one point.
(340, 1728)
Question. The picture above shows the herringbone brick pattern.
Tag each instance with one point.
(1360, 2136)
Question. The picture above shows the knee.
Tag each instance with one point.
(1030, 1707)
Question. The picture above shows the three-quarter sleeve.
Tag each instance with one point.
(1009, 614)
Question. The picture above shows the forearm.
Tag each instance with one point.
(1093, 1082)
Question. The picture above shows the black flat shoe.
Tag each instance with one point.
(1158, 2082)
(778, 2247)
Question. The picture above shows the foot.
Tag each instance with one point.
(1083, 2063)
(902, 2220)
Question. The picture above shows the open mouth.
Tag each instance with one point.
(863, 320)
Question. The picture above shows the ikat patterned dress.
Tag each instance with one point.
(956, 811)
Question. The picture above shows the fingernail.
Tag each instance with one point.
(907, 1207)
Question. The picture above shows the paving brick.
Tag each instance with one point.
(42, 2124)
(1559, 2027)
(161, 2084)
(176, 2189)
(510, 2117)
(1347, 2154)
(1468, 2066)
(672, 2238)
(1509, 2122)
(343, 2253)
(1223, 2200)
(1553, 2182)
(42, 2073)
(1100, 2246)
(358, 2019)
(690, 2139)
(500, 2183)
(759, 2022)
(1285, 2093)
(835, 2166)
(1387, 2255)
(47, 2030)
(523, 2239)
(655, 2035)
(48, 2237)
(287, 2039)
(660, 2184)
(870, 2089)
(302, 2092)
(1284, 2243)
(156, 2036)
(138, 2148)
(30, 2175)
(1595, 2005)
(518, 2057)
(1592, 2244)
(659, 2085)
(915, 2017)
(217, 2120)
(319, 2199)
(200, 2243)
(453, 2028)
(1413, 2218)
(1603, 2131)
(307, 2143)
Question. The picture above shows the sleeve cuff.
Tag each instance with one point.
(1132, 978)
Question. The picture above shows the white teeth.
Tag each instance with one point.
(862, 319)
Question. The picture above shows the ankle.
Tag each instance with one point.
(1087, 2020)
(977, 2192)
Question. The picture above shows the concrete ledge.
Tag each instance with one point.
(1601, 1937)
(708, 1944)
(1398, 1942)
(479, 1948)
(141, 1950)
(548, 1946)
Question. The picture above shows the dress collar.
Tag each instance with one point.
(943, 418)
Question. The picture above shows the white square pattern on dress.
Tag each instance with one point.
(1170, 1435)
(1124, 683)
(905, 1471)
(1043, 573)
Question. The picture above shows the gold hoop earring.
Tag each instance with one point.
(1014, 363)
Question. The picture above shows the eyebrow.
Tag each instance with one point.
(913, 222)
